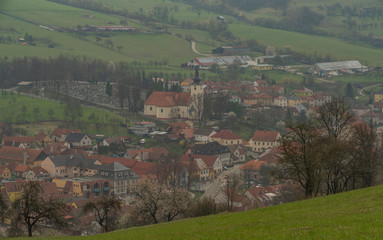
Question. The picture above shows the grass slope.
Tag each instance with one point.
(352, 215)
(141, 47)
(11, 105)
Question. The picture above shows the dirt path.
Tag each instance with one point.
(365, 88)
(195, 50)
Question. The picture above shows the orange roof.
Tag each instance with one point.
(226, 134)
(17, 154)
(168, 99)
(60, 131)
(252, 165)
(14, 186)
(271, 156)
(40, 136)
(144, 169)
(18, 139)
(265, 136)
(56, 148)
(21, 168)
(209, 160)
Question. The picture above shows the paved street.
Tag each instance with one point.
(214, 189)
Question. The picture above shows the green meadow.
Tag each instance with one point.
(352, 215)
(19, 108)
(337, 48)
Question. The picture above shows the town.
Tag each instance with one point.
(196, 148)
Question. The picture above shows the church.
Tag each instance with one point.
(174, 105)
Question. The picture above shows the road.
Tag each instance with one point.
(365, 88)
(214, 189)
(195, 50)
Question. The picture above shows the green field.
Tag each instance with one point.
(139, 47)
(11, 110)
(310, 43)
(148, 46)
(352, 215)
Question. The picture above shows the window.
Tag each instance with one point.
(162, 110)
(151, 108)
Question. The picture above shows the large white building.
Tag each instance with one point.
(171, 105)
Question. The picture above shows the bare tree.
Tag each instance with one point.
(230, 189)
(30, 209)
(197, 106)
(158, 202)
(334, 119)
(3, 205)
(366, 150)
(106, 210)
(301, 155)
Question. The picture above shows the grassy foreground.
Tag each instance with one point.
(352, 215)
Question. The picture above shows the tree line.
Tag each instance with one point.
(331, 153)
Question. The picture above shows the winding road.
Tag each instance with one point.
(195, 50)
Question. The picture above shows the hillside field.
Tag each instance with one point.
(352, 215)
(12, 104)
(149, 44)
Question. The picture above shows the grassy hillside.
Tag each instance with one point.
(352, 215)
(12, 104)
(26, 16)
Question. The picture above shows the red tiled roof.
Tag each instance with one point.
(21, 168)
(72, 151)
(17, 154)
(208, 160)
(271, 157)
(18, 139)
(168, 99)
(38, 170)
(56, 148)
(226, 134)
(145, 169)
(40, 136)
(113, 140)
(60, 131)
(14, 186)
(265, 136)
(253, 165)
(188, 133)
(49, 189)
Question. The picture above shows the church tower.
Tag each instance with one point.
(196, 87)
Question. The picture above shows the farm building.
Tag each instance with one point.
(337, 68)
(223, 62)
(230, 50)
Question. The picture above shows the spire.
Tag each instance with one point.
(196, 79)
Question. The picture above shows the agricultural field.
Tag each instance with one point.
(352, 215)
(139, 47)
(19, 108)
(337, 48)
(149, 44)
